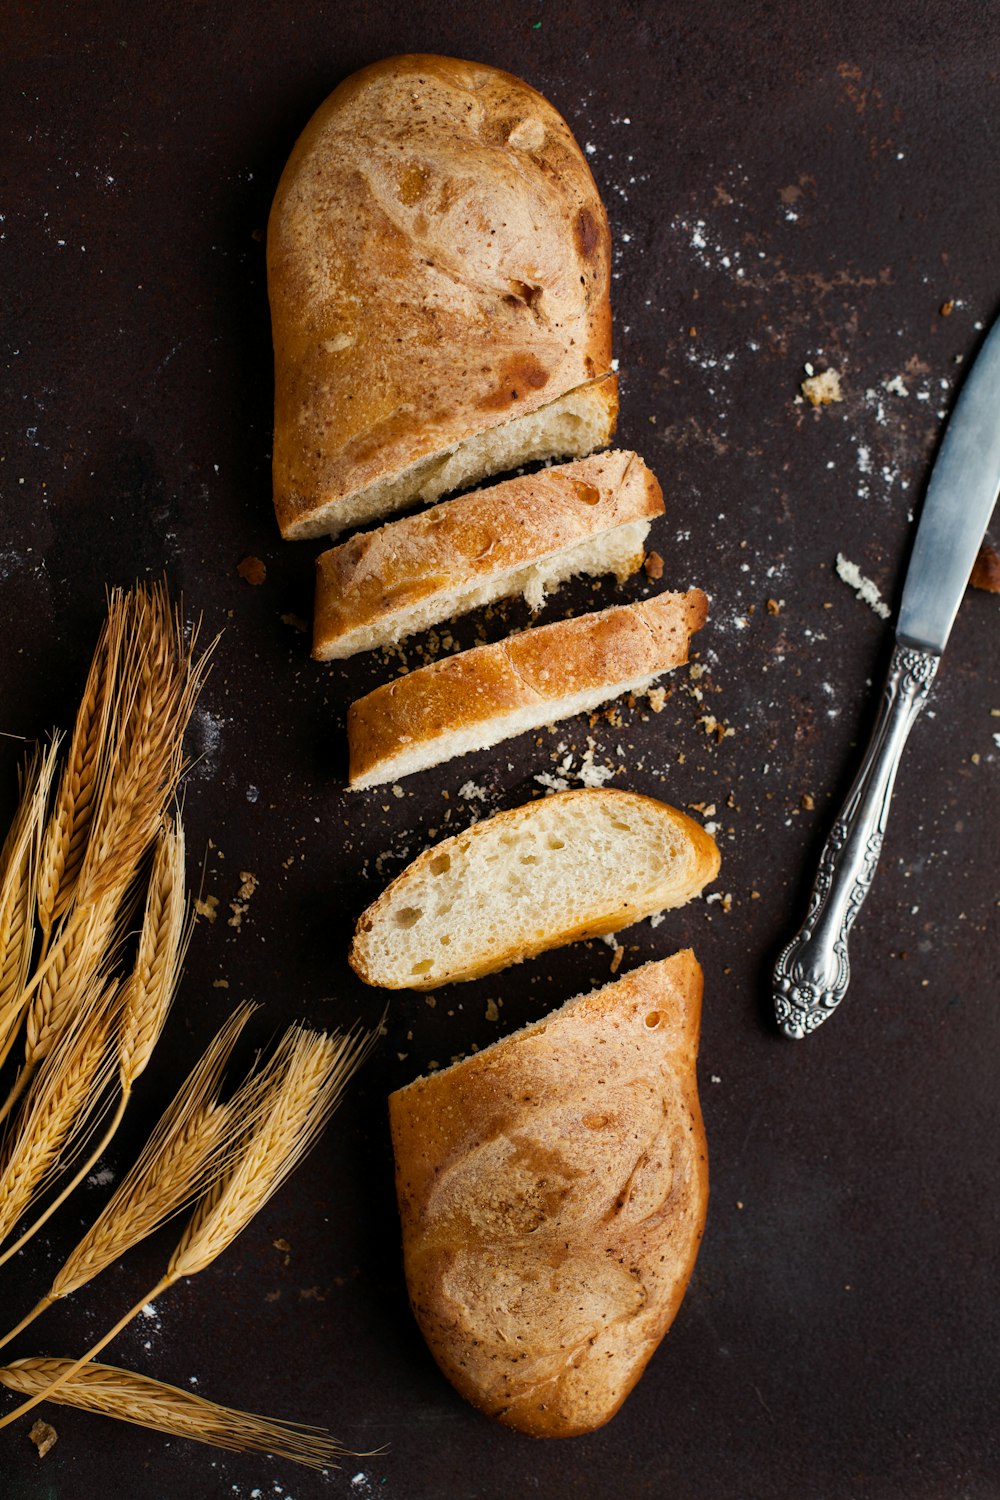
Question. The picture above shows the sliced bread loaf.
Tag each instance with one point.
(578, 864)
(525, 536)
(479, 697)
(552, 1191)
(438, 269)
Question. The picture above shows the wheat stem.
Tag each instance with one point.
(28, 1319)
(48, 1391)
(135, 1398)
(65, 1192)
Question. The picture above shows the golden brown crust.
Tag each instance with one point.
(552, 1192)
(458, 543)
(552, 662)
(438, 263)
(676, 884)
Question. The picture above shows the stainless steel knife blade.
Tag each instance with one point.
(813, 971)
(960, 498)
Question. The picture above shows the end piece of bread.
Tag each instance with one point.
(438, 271)
(525, 536)
(578, 864)
(477, 698)
(552, 1191)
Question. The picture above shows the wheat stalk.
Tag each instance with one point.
(19, 866)
(65, 980)
(165, 934)
(311, 1071)
(161, 680)
(126, 759)
(135, 1398)
(178, 1159)
(294, 1099)
(70, 823)
(146, 998)
(55, 1116)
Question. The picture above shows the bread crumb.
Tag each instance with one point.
(653, 566)
(867, 591)
(209, 908)
(947, 308)
(470, 792)
(296, 622)
(220, 984)
(430, 1000)
(492, 1014)
(821, 390)
(44, 1437)
(806, 803)
(616, 960)
(715, 726)
(253, 570)
(986, 570)
(657, 698)
(248, 884)
(774, 606)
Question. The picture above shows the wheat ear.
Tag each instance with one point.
(58, 1112)
(312, 1071)
(65, 979)
(181, 1154)
(112, 1392)
(70, 823)
(146, 999)
(305, 1082)
(161, 678)
(19, 864)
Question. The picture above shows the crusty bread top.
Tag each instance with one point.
(438, 262)
(553, 1191)
(486, 689)
(578, 864)
(373, 576)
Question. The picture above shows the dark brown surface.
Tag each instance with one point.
(786, 184)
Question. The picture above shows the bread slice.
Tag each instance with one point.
(479, 697)
(575, 865)
(525, 536)
(552, 1191)
(438, 272)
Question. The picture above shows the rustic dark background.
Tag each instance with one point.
(788, 184)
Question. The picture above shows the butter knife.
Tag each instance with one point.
(813, 971)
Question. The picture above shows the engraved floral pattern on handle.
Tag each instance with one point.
(813, 971)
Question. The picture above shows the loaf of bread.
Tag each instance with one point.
(552, 1190)
(525, 536)
(438, 270)
(578, 864)
(477, 698)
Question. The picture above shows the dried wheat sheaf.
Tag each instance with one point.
(93, 852)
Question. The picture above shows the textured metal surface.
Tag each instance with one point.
(787, 185)
(814, 969)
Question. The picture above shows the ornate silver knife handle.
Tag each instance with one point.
(813, 971)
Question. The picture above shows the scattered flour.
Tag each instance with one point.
(866, 591)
